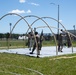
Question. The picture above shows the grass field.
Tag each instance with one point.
(22, 43)
(13, 64)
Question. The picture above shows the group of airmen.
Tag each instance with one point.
(39, 38)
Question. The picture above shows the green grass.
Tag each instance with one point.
(13, 64)
(18, 64)
(12, 44)
(21, 43)
(74, 43)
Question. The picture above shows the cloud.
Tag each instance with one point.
(17, 11)
(20, 11)
(28, 11)
(35, 4)
(22, 1)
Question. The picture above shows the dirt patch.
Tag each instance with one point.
(64, 57)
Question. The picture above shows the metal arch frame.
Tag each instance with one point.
(46, 26)
(63, 27)
(58, 28)
(38, 18)
(51, 30)
(35, 21)
(27, 24)
(19, 16)
(30, 28)
(46, 23)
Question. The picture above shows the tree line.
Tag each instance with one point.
(15, 36)
(7, 35)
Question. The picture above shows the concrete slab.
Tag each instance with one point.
(45, 52)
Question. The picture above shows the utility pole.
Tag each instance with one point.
(58, 16)
(74, 29)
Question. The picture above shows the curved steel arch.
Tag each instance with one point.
(45, 23)
(34, 21)
(19, 21)
(50, 27)
(10, 14)
(17, 15)
(21, 18)
(63, 27)
(16, 23)
(38, 18)
(59, 23)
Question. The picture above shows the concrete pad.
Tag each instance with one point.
(45, 52)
